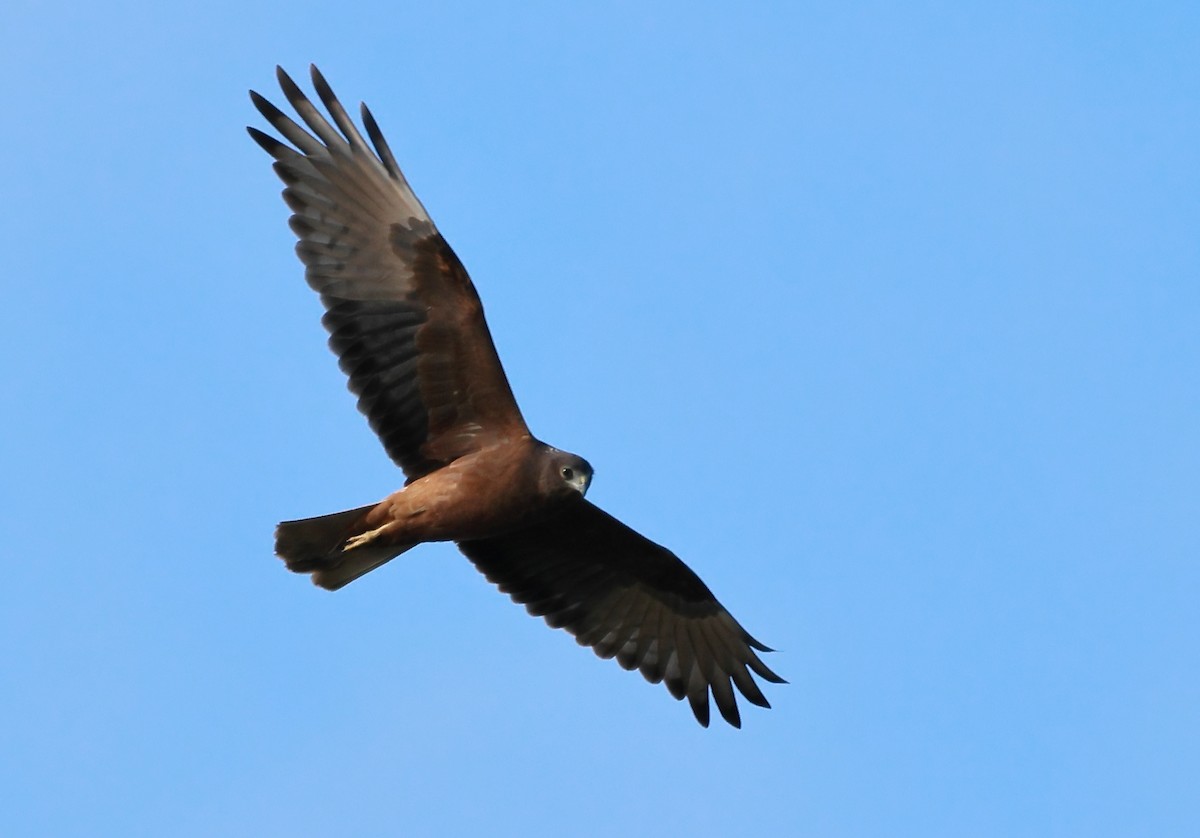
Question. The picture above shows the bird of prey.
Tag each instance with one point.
(407, 326)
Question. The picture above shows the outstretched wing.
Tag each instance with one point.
(627, 597)
(404, 319)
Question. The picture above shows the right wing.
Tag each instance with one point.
(404, 318)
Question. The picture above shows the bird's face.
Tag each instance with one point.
(578, 476)
(566, 473)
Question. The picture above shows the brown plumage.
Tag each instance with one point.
(408, 328)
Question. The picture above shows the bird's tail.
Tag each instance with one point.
(336, 549)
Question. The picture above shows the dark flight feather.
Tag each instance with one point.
(573, 565)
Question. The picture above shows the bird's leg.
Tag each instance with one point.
(364, 538)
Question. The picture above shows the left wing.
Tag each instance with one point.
(625, 596)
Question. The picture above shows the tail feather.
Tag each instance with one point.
(318, 546)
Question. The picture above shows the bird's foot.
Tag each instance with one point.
(363, 538)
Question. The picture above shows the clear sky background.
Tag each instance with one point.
(884, 317)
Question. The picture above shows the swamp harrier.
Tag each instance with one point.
(407, 326)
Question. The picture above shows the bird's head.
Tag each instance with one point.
(564, 474)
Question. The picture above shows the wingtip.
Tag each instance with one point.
(731, 715)
(381, 147)
(769, 675)
(372, 127)
(755, 643)
(265, 141)
(763, 703)
(260, 102)
(290, 89)
(325, 93)
(318, 79)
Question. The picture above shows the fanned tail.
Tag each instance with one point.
(319, 546)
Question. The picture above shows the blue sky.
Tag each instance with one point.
(882, 317)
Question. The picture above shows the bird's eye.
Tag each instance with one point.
(568, 473)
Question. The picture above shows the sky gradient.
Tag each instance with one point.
(884, 319)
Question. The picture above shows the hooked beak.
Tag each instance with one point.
(580, 483)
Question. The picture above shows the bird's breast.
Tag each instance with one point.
(481, 495)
